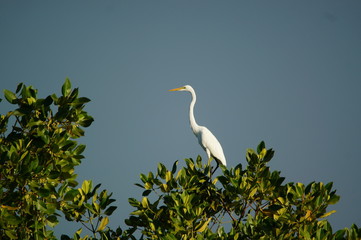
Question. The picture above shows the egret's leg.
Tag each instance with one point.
(210, 166)
(215, 168)
(209, 161)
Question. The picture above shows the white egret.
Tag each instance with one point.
(205, 137)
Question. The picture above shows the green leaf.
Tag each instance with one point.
(202, 226)
(25, 92)
(328, 214)
(79, 149)
(12, 220)
(62, 113)
(52, 221)
(251, 157)
(269, 155)
(110, 210)
(145, 202)
(263, 153)
(48, 101)
(139, 185)
(18, 88)
(199, 161)
(174, 168)
(168, 176)
(340, 234)
(161, 170)
(86, 122)
(64, 237)
(54, 174)
(133, 202)
(70, 195)
(300, 189)
(143, 178)
(103, 224)
(148, 185)
(41, 206)
(95, 189)
(90, 208)
(253, 192)
(309, 187)
(223, 180)
(44, 192)
(260, 147)
(333, 199)
(10, 96)
(55, 98)
(74, 94)
(146, 193)
(11, 234)
(86, 186)
(80, 101)
(66, 88)
(329, 186)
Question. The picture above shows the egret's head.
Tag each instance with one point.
(184, 88)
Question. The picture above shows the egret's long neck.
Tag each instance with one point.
(192, 120)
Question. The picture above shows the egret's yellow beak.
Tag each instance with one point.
(176, 89)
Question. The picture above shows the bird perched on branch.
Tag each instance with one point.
(206, 139)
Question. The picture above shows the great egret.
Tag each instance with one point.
(205, 137)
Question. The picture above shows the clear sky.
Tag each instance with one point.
(286, 72)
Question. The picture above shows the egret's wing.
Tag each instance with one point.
(209, 141)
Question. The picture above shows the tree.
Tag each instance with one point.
(251, 203)
(38, 187)
(38, 154)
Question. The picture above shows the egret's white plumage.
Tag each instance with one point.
(205, 137)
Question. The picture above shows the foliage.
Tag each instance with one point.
(250, 203)
(39, 153)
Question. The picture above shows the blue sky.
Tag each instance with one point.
(286, 72)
